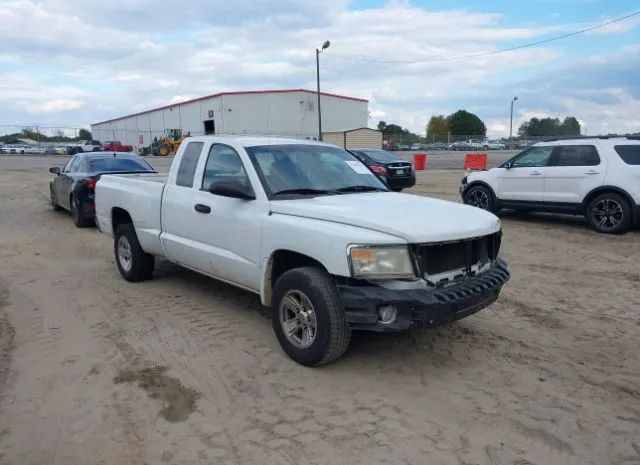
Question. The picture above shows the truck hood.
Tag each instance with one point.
(412, 217)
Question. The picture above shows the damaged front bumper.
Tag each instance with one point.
(425, 308)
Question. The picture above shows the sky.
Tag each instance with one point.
(74, 62)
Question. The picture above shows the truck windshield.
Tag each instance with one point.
(304, 169)
(113, 164)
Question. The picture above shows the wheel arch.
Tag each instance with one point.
(281, 261)
(119, 216)
(605, 190)
(485, 184)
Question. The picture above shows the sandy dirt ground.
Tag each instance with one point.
(185, 370)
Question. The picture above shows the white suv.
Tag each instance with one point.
(595, 177)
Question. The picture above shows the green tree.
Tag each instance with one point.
(571, 126)
(382, 126)
(83, 134)
(463, 123)
(541, 127)
(437, 127)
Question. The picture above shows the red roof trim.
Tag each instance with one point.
(243, 92)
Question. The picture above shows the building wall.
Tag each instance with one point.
(290, 114)
(364, 138)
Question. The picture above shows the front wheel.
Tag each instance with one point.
(308, 317)
(133, 263)
(481, 197)
(609, 213)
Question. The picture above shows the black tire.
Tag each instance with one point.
(480, 196)
(332, 333)
(610, 213)
(76, 213)
(54, 202)
(96, 149)
(141, 263)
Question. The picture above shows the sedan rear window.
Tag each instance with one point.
(381, 156)
(112, 164)
(630, 154)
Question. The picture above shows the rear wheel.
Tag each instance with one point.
(133, 263)
(76, 213)
(609, 213)
(481, 197)
(308, 317)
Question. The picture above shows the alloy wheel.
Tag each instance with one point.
(608, 213)
(124, 253)
(478, 198)
(298, 319)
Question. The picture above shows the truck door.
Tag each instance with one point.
(214, 234)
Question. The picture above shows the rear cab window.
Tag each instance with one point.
(630, 154)
(188, 164)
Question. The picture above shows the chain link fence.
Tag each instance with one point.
(449, 142)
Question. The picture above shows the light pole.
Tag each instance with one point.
(511, 124)
(318, 52)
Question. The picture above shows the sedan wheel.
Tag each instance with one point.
(76, 213)
(124, 253)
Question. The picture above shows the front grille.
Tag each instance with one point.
(457, 259)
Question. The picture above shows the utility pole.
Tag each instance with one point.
(318, 52)
(511, 124)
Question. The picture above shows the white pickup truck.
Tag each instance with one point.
(313, 231)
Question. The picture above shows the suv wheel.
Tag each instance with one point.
(609, 213)
(308, 318)
(133, 263)
(481, 197)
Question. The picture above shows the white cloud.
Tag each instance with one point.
(100, 59)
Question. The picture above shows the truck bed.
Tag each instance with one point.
(140, 196)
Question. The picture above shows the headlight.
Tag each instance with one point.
(379, 262)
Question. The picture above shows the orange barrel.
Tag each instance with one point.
(420, 161)
(475, 161)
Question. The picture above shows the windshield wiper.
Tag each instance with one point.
(360, 189)
(303, 191)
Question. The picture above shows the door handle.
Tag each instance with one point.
(592, 172)
(535, 173)
(200, 208)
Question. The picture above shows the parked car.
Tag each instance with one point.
(523, 144)
(13, 148)
(73, 187)
(595, 177)
(459, 145)
(37, 149)
(403, 147)
(418, 146)
(116, 146)
(475, 144)
(84, 146)
(309, 228)
(493, 145)
(437, 146)
(60, 151)
(397, 173)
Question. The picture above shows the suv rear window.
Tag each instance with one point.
(630, 154)
(576, 155)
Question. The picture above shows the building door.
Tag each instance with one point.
(209, 127)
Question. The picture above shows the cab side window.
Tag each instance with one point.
(224, 164)
(188, 164)
(576, 155)
(533, 157)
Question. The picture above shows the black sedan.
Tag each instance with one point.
(73, 188)
(397, 173)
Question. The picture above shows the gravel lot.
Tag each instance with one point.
(185, 370)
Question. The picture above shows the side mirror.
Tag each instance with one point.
(54, 170)
(508, 165)
(233, 189)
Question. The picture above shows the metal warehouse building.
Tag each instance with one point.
(290, 113)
